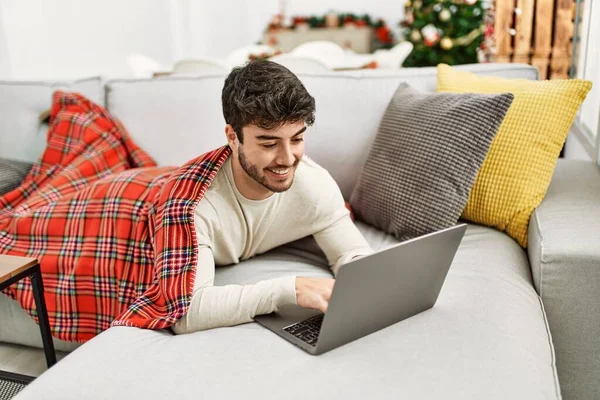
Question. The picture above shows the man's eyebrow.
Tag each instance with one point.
(269, 137)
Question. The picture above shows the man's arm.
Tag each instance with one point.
(217, 306)
(341, 242)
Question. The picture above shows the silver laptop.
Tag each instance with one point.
(372, 293)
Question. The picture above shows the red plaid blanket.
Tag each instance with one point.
(113, 232)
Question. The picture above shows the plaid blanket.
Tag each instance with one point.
(113, 232)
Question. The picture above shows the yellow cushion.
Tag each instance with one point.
(517, 170)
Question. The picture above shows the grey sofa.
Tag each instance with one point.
(509, 322)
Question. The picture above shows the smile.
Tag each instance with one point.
(280, 172)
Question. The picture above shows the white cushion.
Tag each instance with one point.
(174, 119)
(22, 134)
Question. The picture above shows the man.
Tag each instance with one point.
(265, 195)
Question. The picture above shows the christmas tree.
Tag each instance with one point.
(444, 31)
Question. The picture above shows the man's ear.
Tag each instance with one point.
(230, 135)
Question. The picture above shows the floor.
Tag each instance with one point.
(24, 360)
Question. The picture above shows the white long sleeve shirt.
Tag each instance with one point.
(231, 228)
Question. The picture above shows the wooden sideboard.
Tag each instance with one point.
(358, 39)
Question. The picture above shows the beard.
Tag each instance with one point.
(255, 173)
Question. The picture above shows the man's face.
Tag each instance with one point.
(270, 158)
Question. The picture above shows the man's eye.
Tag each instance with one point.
(268, 146)
(298, 140)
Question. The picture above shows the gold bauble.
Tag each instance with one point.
(446, 43)
(445, 15)
(415, 35)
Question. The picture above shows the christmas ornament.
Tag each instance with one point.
(445, 15)
(384, 34)
(487, 49)
(468, 39)
(446, 43)
(415, 35)
(408, 3)
(431, 35)
(450, 31)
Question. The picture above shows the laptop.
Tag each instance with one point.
(372, 293)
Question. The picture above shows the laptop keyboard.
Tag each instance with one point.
(307, 330)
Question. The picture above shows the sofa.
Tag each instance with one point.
(509, 322)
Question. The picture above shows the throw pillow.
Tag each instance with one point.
(517, 171)
(424, 160)
(12, 174)
(22, 133)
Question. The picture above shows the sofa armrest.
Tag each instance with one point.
(564, 253)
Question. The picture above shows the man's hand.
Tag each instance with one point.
(314, 292)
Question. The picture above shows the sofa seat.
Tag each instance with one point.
(486, 337)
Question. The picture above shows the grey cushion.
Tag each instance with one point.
(425, 158)
(12, 174)
(486, 338)
(22, 133)
(564, 252)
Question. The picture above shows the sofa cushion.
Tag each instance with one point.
(564, 252)
(517, 171)
(178, 118)
(12, 174)
(19, 328)
(425, 158)
(485, 338)
(22, 132)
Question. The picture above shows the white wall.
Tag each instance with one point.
(589, 66)
(5, 68)
(72, 38)
(49, 39)
(575, 150)
(219, 26)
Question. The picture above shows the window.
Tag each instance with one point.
(586, 65)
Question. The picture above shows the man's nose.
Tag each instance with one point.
(285, 156)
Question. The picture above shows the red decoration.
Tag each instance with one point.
(298, 20)
(384, 35)
(431, 41)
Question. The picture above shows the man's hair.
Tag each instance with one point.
(265, 94)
